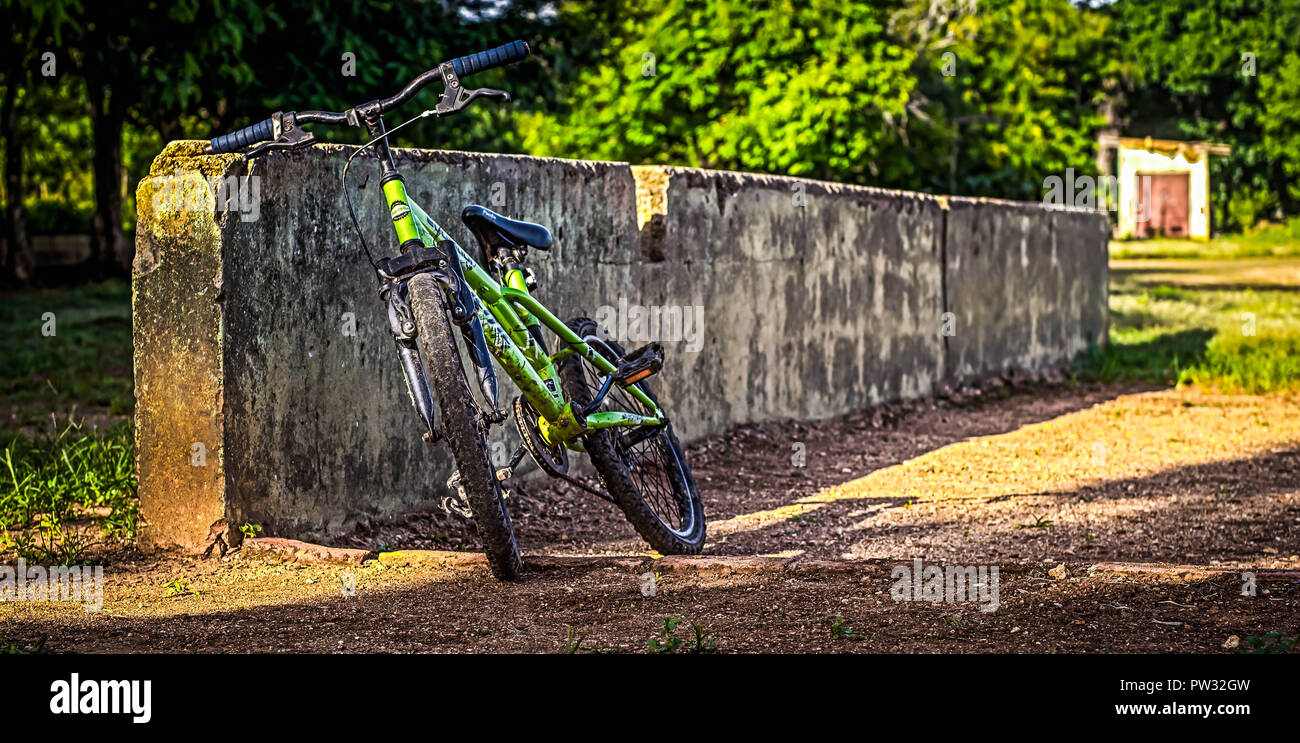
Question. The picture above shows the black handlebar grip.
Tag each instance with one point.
(479, 61)
(259, 132)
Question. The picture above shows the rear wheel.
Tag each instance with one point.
(463, 430)
(645, 470)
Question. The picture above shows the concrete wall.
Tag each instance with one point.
(259, 335)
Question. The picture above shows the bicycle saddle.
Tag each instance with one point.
(495, 231)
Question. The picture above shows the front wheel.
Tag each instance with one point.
(647, 476)
(463, 430)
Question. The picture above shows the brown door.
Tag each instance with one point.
(1162, 201)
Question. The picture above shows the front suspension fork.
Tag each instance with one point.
(402, 325)
(401, 322)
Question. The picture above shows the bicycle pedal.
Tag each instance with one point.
(638, 364)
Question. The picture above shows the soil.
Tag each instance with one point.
(1047, 483)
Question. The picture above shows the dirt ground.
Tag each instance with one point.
(1034, 481)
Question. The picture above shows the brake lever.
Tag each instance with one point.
(290, 139)
(455, 97)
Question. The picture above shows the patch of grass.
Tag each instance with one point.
(57, 491)
(84, 364)
(1249, 363)
(1268, 241)
(1039, 523)
(573, 639)
(11, 648)
(841, 631)
(704, 640)
(1238, 338)
(179, 586)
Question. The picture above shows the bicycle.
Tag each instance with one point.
(588, 396)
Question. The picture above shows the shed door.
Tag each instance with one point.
(1163, 199)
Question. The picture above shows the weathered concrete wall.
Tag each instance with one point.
(1026, 286)
(818, 298)
(263, 340)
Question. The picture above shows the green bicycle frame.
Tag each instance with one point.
(506, 312)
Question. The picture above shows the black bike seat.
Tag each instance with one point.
(496, 231)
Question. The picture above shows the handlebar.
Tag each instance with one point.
(261, 131)
(470, 64)
(503, 55)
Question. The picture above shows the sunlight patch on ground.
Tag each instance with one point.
(1130, 437)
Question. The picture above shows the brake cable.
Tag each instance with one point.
(352, 212)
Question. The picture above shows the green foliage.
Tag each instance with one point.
(86, 362)
(1038, 523)
(1249, 205)
(573, 639)
(703, 640)
(667, 641)
(1193, 80)
(842, 631)
(13, 648)
(986, 98)
(852, 92)
(798, 88)
(1258, 363)
(56, 492)
(1022, 100)
(1272, 643)
(178, 586)
(1238, 338)
(58, 217)
(1269, 240)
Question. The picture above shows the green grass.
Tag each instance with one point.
(704, 640)
(1237, 338)
(85, 364)
(1270, 240)
(59, 494)
(13, 648)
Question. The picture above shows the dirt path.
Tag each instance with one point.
(1044, 478)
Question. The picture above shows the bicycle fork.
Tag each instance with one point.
(402, 325)
(401, 322)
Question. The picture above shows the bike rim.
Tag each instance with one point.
(655, 468)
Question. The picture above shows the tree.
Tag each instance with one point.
(1014, 86)
(801, 88)
(1218, 70)
(151, 66)
(30, 23)
(937, 95)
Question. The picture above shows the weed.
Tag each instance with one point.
(179, 586)
(1039, 523)
(667, 642)
(1274, 642)
(840, 630)
(55, 489)
(10, 648)
(705, 640)
(573, 640)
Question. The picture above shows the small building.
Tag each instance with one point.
(1164, 186)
